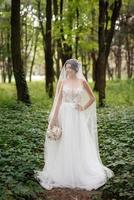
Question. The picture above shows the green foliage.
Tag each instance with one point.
(22, 138)
(120, 92)
(116, 129)
(21, 142)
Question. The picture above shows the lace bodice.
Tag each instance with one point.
(72, 95)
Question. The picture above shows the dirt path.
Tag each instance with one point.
(70, 194)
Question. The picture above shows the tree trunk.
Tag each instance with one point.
(128, 58)
(57, 42)
(34, 54)
(93, 56)
(9, 64)
(77, 33)
(117, 53)
(66, 49)
(132, 60)
(49, 72)
(93, 53)
(109, 72)
(105, 36)
(4, 67)
(21, 85)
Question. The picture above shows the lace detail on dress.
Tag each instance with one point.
(72, 95)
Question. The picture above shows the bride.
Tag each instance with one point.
(73, 160)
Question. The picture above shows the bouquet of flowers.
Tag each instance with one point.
(54, 133)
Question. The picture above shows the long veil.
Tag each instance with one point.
(90, 113)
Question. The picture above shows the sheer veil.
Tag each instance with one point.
(90, 112)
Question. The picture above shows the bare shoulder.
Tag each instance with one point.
(82, 81)
(85, 82)
(88, 88)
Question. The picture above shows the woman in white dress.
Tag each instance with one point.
(73, 161)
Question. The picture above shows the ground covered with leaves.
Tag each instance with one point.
(22, 131)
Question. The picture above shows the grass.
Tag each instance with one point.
(118, 93)
(22, 132)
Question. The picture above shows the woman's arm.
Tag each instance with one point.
(90, 93)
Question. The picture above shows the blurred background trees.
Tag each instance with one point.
(98, 33)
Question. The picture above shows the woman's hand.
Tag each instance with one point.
(79, 107)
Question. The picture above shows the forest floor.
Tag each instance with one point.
(22, 131)
(70, 194)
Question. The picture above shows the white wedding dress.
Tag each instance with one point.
(72, 160)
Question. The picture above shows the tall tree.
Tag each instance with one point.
(108, 14)
(66, 52)
(34, 54)
(9, 64)
(77, 32)
(49, 72)
(57, 41)
(21, 85)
